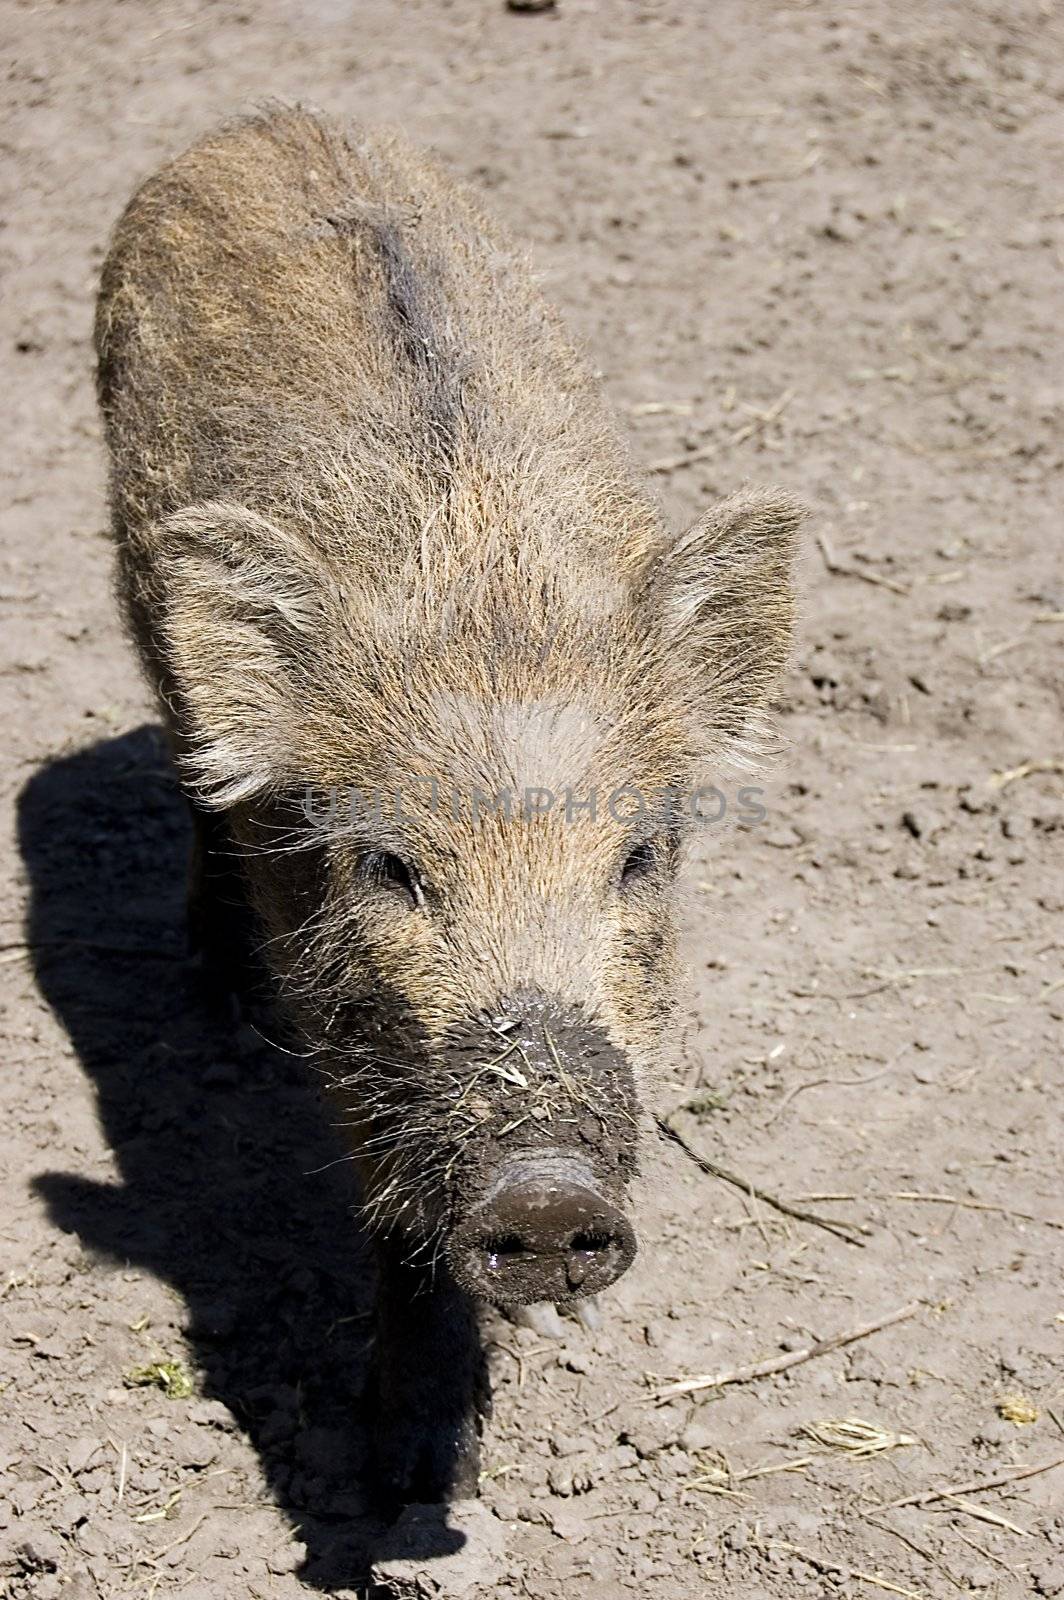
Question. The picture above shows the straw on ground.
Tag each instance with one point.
(765, 1369)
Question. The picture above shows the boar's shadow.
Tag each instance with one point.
(234, 1190)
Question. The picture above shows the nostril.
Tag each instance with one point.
(499, 1247)
(589, 1250)
(591, 1243)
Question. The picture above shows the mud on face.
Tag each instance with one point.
(506, 1146)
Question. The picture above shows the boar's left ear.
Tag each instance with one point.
(724, 601)
(239, 613)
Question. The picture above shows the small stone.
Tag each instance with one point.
(646, 1498)
(1028, 236)
(530, 5)
(994, 1434)
(569, 1478)
(81, 1453)
(476, 1566)
(566, 1444)
(1048, 1578)
(864, 1367)
(71, 1513)
(953, 330)
(39, 1550)
(979, 1575)
(843, 227)
(972, 804)
(570, 1525)
(645, 1568)
(53, 1348)
(700, 1434)
(653, 1432)
(79, 1586)
(287, 1558)
(966, 69)
(212, 1414)
(97, 1539)
(826, 671)
(194, 1447)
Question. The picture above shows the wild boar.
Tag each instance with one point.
(435, 674)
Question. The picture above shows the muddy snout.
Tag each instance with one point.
(543, 1231)
(545, 1124)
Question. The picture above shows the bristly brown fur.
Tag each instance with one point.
(374, 524)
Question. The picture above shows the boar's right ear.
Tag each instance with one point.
(723, 599)
(239, 612)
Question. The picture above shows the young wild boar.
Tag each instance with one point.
(438, 683)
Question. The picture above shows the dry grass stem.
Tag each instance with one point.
(977, 1486)
(915, 1197)
(855, 1436)
(841, 1230)
(721, 1478)
(1002, 649)
(760, 420)
(840, 569)
(826, 1567)
(750, 179)
(1027, 769)
(661, 408)
(182, 1538)
(918, 1549)
(906, 975)
(980, 1550)
(841, 1083)
(766, 1369)
(984, 1515)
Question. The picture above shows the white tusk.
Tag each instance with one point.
(542, 1319)
(589, 1313)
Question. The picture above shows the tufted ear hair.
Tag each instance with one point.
(723, 601)
(240, 607)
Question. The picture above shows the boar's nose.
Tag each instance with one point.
(544, 1231)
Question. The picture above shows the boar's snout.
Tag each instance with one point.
(537, 1209)
(544, 1231)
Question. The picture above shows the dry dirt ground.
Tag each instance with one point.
(808, 243)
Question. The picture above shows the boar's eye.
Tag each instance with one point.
(659, 854)
(391, 871)
(638, 864)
